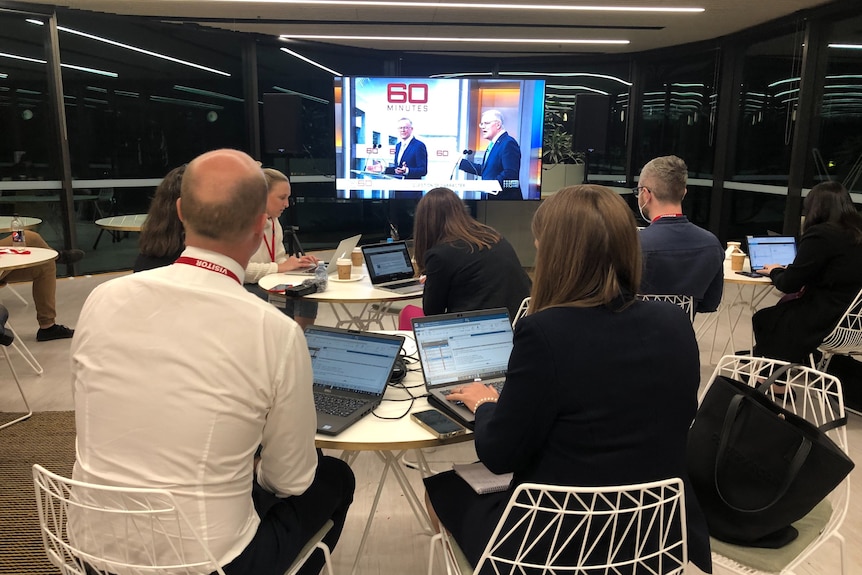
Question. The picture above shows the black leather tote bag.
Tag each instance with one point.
(756, 467)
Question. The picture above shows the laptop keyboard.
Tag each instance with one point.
(405, 287)
(496, 384)
(336, 405)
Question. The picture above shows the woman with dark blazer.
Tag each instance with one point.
(826, 274)
(467, 265)
(601, 388)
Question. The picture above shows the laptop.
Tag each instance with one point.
(391, 268)
(457, 348)
(351, 370)
(763, 250)
(344, 249)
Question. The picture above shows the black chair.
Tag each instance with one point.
(6, 339)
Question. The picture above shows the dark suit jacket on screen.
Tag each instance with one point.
(416, 158)
(502, 163)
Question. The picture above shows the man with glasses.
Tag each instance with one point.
(679, 258)
(411, 155)
(502, 160)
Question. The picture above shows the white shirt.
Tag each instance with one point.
(261, 264)
(178, 374)
(401, 150)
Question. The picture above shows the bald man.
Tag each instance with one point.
(180, 374)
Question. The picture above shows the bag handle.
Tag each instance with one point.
(730, 418)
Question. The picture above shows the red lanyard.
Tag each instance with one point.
(270, 245)
(655, 219)
(208, 266)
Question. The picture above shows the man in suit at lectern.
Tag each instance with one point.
(411, 155)
(502, 160)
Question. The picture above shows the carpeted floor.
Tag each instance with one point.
(47, 438)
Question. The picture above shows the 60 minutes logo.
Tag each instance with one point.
(403, 97)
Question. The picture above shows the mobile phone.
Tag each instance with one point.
(752, 274)
(438, 424)
(279, 288)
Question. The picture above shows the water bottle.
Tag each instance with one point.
(17, 232)
(322, 277)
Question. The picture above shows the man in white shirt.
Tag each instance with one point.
(179, 374)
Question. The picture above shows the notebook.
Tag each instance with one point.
(344, 249)
(391, 268)
(481, 479)
(351, 370)
(457, 348)
(763, 250)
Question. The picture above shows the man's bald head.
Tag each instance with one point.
(223, 195)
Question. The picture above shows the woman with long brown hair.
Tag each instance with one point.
(601, 388)
(162, 237)
(467, 265)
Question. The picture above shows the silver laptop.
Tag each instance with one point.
(458, 348)
(390, 267)
(351, 370)
(764, 250)
(344, 249)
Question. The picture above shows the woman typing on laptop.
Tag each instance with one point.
(271, 256)
(826, 273)
(601, 388)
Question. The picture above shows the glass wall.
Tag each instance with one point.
(840, 141)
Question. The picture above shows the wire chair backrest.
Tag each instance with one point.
(846, 338)
(686, 302)
(94, 529)
(522, 310)
(620, 529)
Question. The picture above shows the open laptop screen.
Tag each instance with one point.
(349, 360)
(463, 346)
(388, 262)
(763, 250)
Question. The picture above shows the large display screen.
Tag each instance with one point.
(400, 137)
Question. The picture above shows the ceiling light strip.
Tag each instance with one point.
(482, 6)
(310, 61)
(444, 39)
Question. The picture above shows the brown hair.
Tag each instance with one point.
(588, 252)
(830, 202)
(162, 234)
(236, 199)
(670, 175)
(442, 217)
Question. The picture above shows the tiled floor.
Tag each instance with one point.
(396, 544)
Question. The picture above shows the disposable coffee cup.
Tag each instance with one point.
(356, 257)
(344, 268)
(732, 247)
(737, 261)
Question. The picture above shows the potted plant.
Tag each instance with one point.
(561, 165)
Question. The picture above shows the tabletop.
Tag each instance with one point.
(27, 222)
(357, 290)
(731, 277)
(372, 433)
(36, 256)
(130, 223)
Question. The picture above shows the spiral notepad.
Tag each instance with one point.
(480, 479)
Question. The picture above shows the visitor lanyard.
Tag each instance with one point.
(208, 266)
(270, 245)
(657, 218)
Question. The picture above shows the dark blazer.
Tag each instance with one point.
(829, 266)
(416, 158)
(461, 277)
(593, 397)
(502, 163)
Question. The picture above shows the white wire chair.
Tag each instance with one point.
(581, 530)
(686, 302)
(817, 397)
(522, 310)
(140, 531)
(845, 339)
(7, 338)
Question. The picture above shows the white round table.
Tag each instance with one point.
(26, 222)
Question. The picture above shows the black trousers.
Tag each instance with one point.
(286, 524)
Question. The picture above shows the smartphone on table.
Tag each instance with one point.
(438, 424)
